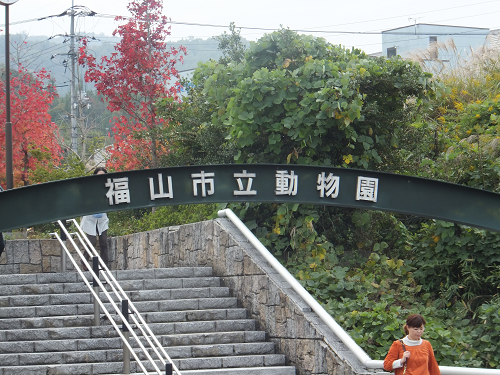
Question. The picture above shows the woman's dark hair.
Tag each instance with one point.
(414, 321)
(100, 169)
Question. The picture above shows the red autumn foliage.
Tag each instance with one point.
(133, 79)
(34, 135)
(130, 150)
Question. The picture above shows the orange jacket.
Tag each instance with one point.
(421, 361)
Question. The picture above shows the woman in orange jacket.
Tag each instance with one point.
(412, 355)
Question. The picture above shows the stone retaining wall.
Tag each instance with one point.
(31, 256)
(307, 342)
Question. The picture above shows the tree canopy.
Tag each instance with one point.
(133, 79)
(34, 135)
(295, 98)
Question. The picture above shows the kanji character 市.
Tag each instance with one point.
(203, 180)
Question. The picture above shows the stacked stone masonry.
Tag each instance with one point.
(307, 342)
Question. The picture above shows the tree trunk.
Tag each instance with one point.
(154, 154)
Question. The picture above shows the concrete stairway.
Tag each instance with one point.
(46, 325)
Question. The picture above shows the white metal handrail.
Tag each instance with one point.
(138, 325)
(101, 304)
(325, 316)
(121, 295)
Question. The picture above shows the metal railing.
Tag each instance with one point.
(326, 317)
(124, 312)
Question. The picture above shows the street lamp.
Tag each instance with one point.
(8, 124)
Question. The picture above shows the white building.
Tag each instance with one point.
(459, 41)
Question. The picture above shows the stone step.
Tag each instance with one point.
(142, 307)
(46, 325)
(126, 285)
(212, 338)
(112, 367)
(74, 277)
(109, 331)
(149, 317)
(177, 283)
(167, 341)
(71, 355)
(139, 295)
(276, 370)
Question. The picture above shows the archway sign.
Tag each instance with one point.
(318, 185)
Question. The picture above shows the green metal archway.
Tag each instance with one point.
(71, 198)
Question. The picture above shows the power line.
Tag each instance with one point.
(48, 50)
(40, 53)
(86, 12)
(80, 11)
(312, 29)
(408, 15)
(328, 31)
(186, 70)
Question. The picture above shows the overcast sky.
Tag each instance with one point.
(332, 16)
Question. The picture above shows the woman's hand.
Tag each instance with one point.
(406, 355)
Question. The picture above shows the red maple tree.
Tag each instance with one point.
(34, 135)
(133, 79)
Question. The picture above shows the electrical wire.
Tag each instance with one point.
(325, 31)
(313, 29)
(408, 15)
(339, 32)
(83, 11)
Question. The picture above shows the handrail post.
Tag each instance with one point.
(168, 369)
(97, 312)
(126, 333)
(62, 235)
(118, 291)
(123, 312)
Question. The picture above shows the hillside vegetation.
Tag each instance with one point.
(296, 99)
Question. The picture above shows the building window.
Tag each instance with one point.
(391, 52)
(433, 47)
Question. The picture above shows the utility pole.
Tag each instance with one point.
(415, 22)
(75, 97)
(74, 135)
(9, 169)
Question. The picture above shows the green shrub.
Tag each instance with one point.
(133, 221)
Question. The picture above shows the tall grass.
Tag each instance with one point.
(472, 75)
